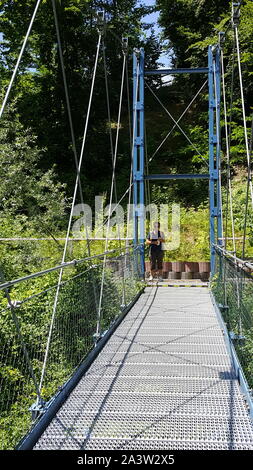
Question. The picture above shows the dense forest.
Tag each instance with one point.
(38, 168)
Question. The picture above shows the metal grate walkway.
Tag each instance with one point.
(163, 381)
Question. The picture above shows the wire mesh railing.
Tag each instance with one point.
(24, 330)
(232, 285)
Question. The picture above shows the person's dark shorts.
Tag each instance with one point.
(156, 259)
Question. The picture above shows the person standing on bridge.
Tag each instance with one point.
(155, 239)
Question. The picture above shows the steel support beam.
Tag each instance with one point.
(138, 153)
(175, 71)
(214, 150)
(177, 176)
(214, 175)
(219, 234)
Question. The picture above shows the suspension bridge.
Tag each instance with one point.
(102, 359)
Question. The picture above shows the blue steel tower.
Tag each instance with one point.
(214, 175)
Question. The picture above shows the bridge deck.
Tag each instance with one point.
(163, 381)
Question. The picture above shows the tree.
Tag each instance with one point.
(39, 87)
(26, 192)
(190, 26)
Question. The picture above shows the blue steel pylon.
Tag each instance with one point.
(139, 177)
(138, 154)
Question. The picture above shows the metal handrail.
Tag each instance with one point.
(240, 262)
(67, 264)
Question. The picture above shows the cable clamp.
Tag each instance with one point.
(38, 408)
(137, 53)
(235, 14)
(100, 21)
(235, 337)
(14, 303)
(96, 337)
(223, 308)
(125, 45)
(221, 38)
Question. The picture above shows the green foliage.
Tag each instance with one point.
(233, 287)
(39, 86)
(72, 335)
(189, 26)
(32, 201)
(37, 169)
(194, 220)
(26, 192)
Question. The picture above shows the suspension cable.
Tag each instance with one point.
(148, 197)
(72, 209)
(131, 154)
(243, 106)
(19, 58)
(129, 108)
(128, 190)
(175, 122)
(115, 150)
(229, 195)
(247, 193)
(110, 201)
(219, 195)
(108, 111)
(83, 144)
(235, 14)
(230, 131)
(73, 139)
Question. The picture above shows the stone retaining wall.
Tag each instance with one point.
(184, 269)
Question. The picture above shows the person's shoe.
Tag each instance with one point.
(160, 279)
(150, 278)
